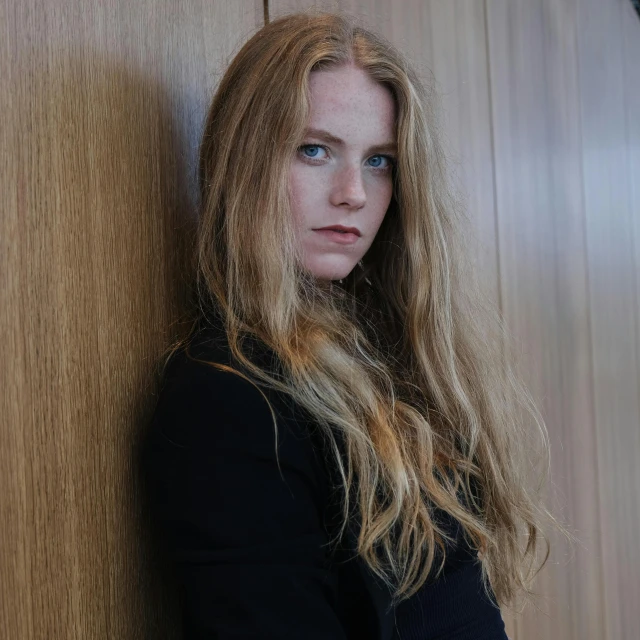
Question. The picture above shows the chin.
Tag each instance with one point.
(331, 272)
(333, 275)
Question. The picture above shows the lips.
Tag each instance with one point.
(338, 236)
(341, 229)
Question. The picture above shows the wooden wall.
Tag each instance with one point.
(103, 105)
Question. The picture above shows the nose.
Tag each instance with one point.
(349, 188)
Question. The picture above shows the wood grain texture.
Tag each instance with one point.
(102, 106)
(603, 38)
(631, 55)
(543, 258)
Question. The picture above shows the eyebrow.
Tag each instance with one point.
(328, 137)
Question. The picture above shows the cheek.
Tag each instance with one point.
(383, 200)
(388, 191)
(298, 194)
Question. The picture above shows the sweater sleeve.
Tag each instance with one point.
(245, 533)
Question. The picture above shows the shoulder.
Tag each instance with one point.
(201, 387)
(208, 410)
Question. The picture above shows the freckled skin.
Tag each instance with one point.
(342, 184)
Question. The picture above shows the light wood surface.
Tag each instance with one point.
(544, 283)
(607, 32)
(102, 107)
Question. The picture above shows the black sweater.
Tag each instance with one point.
(248, 533)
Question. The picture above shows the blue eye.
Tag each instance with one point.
(390, 162)
(311, 146)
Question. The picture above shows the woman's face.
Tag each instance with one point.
(342, 172)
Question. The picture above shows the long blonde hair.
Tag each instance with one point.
(403, 358)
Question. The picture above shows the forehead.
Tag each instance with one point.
(348, 100)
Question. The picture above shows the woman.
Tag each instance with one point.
(337, 451)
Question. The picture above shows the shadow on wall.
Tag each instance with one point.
(106, 204)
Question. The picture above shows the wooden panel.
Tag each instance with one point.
(102, 107)
(631, 30)
(612, 297)
(457, 35)
(543, 263)
(553, 65)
